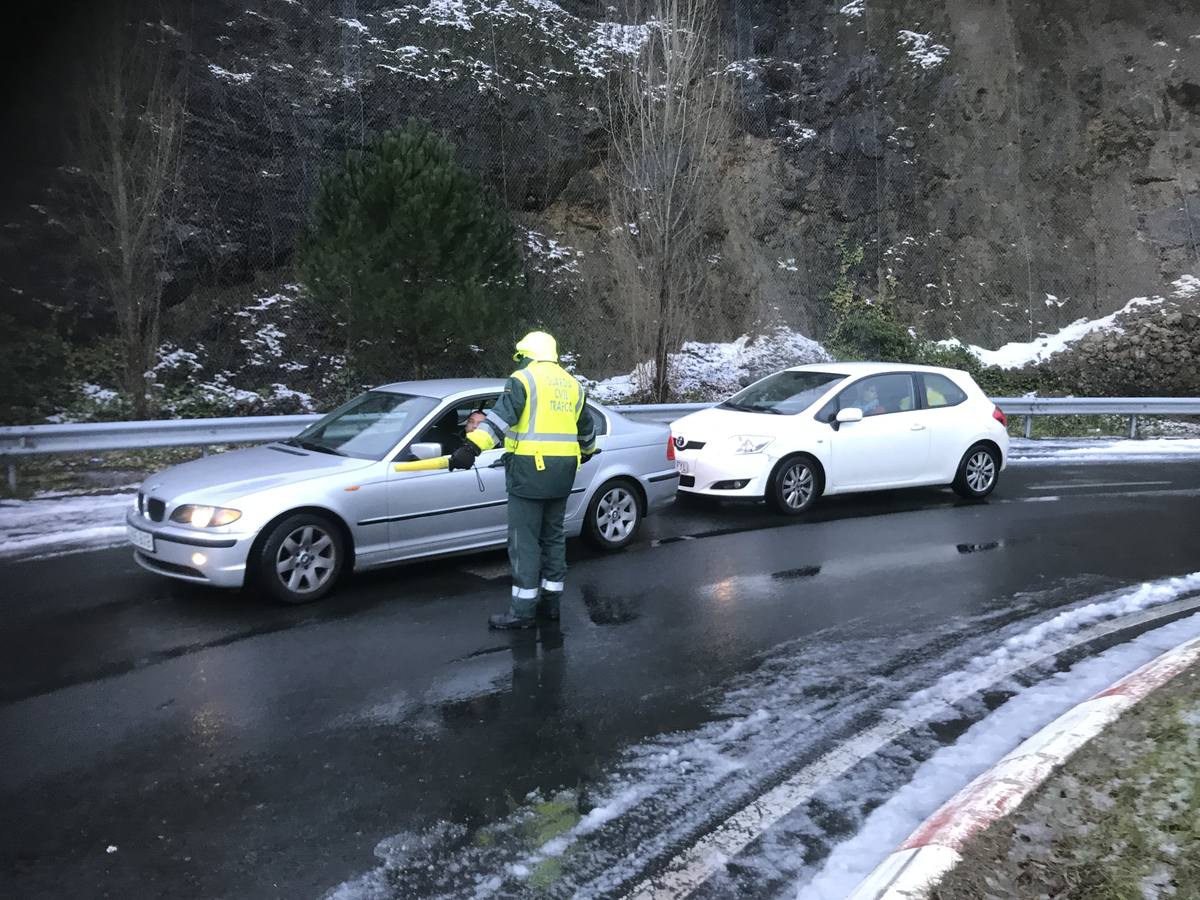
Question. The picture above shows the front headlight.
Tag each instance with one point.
(751, 443)
(205, 516)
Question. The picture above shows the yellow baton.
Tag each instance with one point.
(423, 465)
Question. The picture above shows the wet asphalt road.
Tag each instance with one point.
(228, 748)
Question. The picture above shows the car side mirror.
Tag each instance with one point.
(426, 451)
(849, 414)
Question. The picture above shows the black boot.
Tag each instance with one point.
(548, 604)
(508, 622)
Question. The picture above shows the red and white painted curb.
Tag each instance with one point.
(931, 851)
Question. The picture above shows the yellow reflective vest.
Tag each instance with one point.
(548, 423)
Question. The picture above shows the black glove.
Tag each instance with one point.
(584, 457)
(464, 457)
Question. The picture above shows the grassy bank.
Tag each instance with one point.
(1120, 821)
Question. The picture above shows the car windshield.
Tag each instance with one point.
(784, 393)
(367, 427)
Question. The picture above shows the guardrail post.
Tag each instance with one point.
(204, 449)
(1133, 427)
(1029, 426)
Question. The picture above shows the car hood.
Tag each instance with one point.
(715, 423)
(226, 476)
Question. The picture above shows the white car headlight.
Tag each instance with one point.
(205, 516)
(751, 443)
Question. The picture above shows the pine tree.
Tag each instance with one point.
(419, 261)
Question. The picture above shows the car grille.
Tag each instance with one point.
(691, 445)
(155, 509)
(141, 503)
(687, 480)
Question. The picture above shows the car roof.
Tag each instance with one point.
(440, 388)
(867, 368)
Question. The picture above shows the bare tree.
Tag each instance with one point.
(127, 134)
(668, 114)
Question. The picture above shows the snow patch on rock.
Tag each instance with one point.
(922, 50)
(1017, 354)
(713, 371)
(855, 9)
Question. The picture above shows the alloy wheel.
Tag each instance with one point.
(797, 485)
(616, 514)
(306, 559)
(981, 471)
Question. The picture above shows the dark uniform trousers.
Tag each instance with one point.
(537, 549)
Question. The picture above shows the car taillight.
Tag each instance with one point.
(670, 448)
(999, 416)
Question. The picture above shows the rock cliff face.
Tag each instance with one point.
(1004, 166)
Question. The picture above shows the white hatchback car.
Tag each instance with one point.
(842, 427)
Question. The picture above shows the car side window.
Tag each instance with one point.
(599, 420)
(880, 395)
(450, 428)
(940, 391)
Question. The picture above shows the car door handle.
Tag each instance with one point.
(917, 427)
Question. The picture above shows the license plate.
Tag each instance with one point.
(140, 539)
(683, 467)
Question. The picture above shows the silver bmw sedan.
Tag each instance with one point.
(344, 494)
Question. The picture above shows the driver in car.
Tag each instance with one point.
(473, 421)
(871, 404)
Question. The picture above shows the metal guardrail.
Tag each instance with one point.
(1026, 407)
(1098, 406)
(30, 440)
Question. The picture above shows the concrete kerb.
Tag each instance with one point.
(918, 864)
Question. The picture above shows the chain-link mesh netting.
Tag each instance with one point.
(975, 173)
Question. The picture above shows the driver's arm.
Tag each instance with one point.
(501, 417)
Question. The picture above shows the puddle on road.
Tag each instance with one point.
(980, 548)
(801, 572)
(610, 609)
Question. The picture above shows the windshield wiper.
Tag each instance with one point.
(745, 407)
(312, 445)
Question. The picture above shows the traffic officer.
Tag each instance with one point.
(548, 432)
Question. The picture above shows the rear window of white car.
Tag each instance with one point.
(940, 391)
(784, 393)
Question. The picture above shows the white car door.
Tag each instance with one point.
(948, 430)
(890, 446)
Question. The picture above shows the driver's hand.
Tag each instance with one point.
(464, 457)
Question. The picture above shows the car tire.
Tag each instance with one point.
(795, 485)
(301, 558)
(614, 515)
(978, 472)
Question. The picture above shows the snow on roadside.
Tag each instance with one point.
(981, 746)
(1017, 354)
(713, 371)
(1092, 450)
(49, 525)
